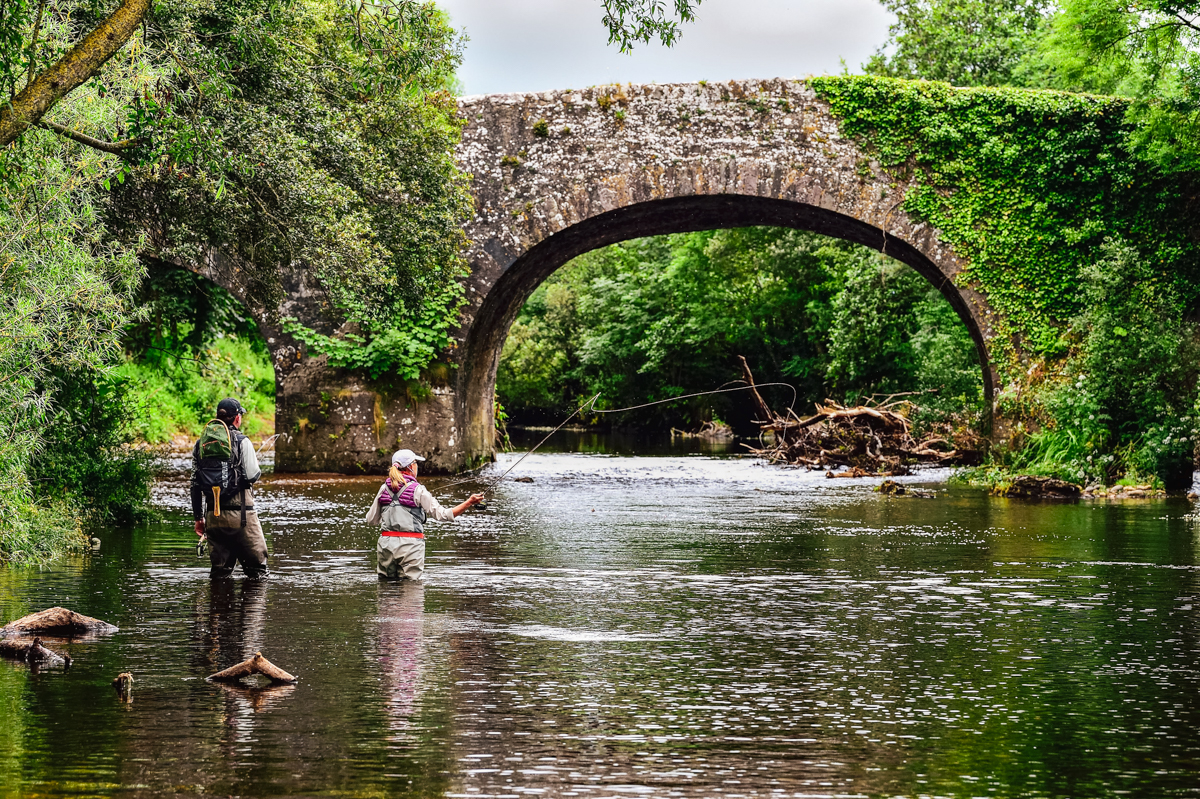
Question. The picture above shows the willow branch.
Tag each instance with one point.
(119, 148)
(37, 27)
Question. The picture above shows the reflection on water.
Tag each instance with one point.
(682, 625)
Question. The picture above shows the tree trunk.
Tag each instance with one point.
(79, 64)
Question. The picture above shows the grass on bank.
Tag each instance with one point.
(176, 394)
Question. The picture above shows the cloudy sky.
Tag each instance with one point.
(534, 45)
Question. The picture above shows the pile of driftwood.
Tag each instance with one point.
(864, 441)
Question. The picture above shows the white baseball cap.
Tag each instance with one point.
(404, 458)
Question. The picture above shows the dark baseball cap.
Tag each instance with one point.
(229, 408)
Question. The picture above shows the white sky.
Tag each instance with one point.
(536, 45)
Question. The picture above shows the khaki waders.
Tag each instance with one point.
(401, 557)
(236, 536)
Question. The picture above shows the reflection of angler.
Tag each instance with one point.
(236, 629)
(401, 648)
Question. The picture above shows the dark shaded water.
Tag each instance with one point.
(668, 626)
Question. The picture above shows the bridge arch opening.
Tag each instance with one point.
(518, 281)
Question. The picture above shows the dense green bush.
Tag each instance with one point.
(86, 453)
(193, 345)
(1128, 402)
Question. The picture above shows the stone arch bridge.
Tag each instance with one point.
(559, 173)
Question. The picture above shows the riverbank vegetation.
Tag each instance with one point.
(1080, 236)
(267, 132)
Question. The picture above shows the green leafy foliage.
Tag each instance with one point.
(66, 288)
(311, 131)
(85, 455)
(1145, 50)
(399, 351)
(961, 42)
(1075, 239)
(183, 315)
(1025, 185)
(632, 21)
(174, 392)
(891, 332)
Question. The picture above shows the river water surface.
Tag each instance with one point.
(678, 625)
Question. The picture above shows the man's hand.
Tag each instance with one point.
(200, 528)
(474, 500)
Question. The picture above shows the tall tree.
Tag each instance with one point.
(1146, 49)
(961, 42)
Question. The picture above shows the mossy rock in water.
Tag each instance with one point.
(1037, 487)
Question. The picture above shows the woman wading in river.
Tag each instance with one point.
(401, 507)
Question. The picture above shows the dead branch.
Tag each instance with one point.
(763, 410)
(864, 440)
(255, 665)
(32, 652)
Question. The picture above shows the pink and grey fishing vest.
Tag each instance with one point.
(400, 511)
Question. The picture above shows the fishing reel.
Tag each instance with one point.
(201, 545)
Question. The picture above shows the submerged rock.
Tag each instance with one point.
(1036, 487)
(58, 622)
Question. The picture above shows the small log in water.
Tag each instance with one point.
(56, 622)
(32, 652)
(255, 665)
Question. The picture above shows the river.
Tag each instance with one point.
(682, 624)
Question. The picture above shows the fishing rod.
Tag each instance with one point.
(590, 405)
(267, 442)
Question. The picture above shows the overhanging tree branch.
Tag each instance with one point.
(76, 66)
(120, 148)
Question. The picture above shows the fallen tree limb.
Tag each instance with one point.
(255, 665)
(865, 441)
(58, 622)
(32, 652)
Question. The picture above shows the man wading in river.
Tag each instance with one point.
(224, 466)
(401, 508)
